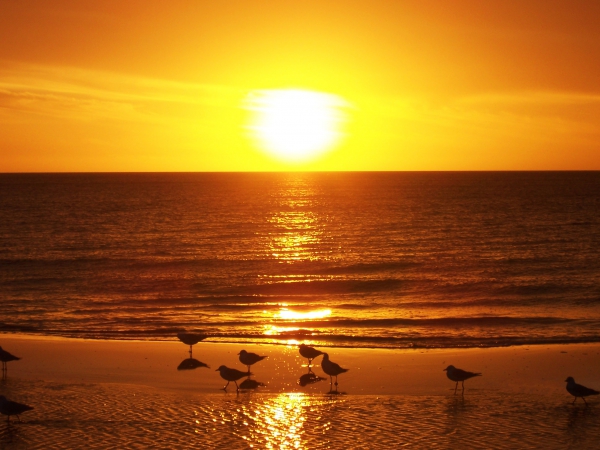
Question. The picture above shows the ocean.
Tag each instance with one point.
(365, 259)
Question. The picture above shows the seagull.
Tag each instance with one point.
(459, 375)
(332, 369)
(577, 390)
(309, 352)
(191, 339)
(249, 358)
(5, 357)
(10, 408)
(231, 375)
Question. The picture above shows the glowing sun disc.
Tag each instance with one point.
(295, 125)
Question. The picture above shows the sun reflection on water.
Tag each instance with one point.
(287, 314)
(298, 236)
(280, 422)
(296, 228)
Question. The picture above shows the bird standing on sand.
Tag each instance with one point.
(459, 375)
(5, 357)
(332, 369)
(309, 352)
(191, 339)
(231, 375)
(10, 408)
(577, 390)
(247, 358)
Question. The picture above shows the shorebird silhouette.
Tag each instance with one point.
(332, 369)
(248, 359)
(459, 375)
(5, 357)
(231, 375)
(577, 390)
(191, 339)
(309, 352)
(10, 408)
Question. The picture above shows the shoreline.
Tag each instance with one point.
(129, 394)
(531, 368)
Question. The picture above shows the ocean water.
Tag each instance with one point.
(436, 259)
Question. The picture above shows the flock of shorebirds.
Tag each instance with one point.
(12, 408)
(576, 390)
(248, 359)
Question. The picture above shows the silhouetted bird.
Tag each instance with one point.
(5, 357)
(577, 390)
(459, 375)
(332, 369)
(231, 375)
(248, 359)
(309, 352)
(191, 339)
(10, 408)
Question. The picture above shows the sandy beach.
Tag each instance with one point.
(129, 394)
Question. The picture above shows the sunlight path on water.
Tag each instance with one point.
(119, 416)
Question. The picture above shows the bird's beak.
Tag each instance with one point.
(443, 370)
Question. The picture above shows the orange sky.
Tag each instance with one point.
(434, 85)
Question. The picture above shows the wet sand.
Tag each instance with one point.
(129, 394)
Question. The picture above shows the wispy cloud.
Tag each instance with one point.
(86, 94)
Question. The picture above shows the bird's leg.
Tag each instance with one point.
(249, 375)
(190, 351)
(225, 387)
(336, 383)
(463, 386)
(237, 388)
(455, 387)
(582, 398)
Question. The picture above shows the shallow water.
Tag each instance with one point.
(354, 259)
(99, 416)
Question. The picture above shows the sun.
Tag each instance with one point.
(295, 125)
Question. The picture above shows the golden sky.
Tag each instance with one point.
(144, 85)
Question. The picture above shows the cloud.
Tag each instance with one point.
(79, 94)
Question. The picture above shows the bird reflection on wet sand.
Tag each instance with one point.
(309, 378)
(191, 364)
(249, 383)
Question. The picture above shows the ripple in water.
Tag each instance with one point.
(122, 416)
